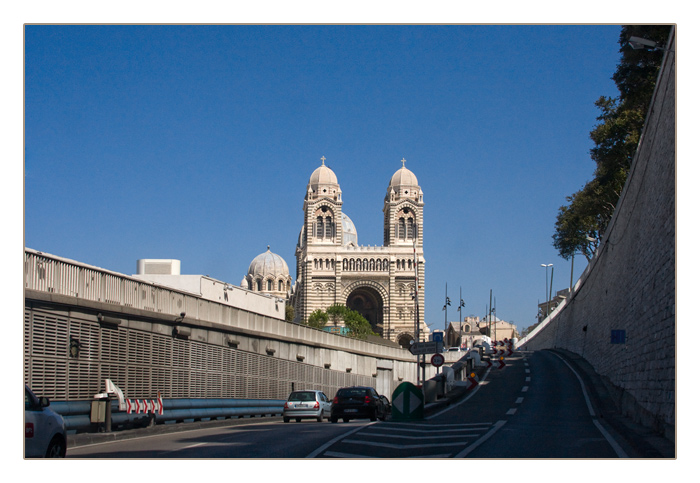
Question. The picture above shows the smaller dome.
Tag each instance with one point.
(349, 230)
(403, 177)
(268, 263)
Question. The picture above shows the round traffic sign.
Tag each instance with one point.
(437, 360)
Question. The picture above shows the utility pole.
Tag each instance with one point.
(444, 307)
(417, 317)
(461, 321)
(490, 312)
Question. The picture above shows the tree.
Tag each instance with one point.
(288, 313)
(337, 312)
(357, 325)
(577, 225)
(317, 319)
(615, 142)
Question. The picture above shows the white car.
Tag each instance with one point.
(44, 429)
(306, 404)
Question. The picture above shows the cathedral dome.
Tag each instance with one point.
(349, 231)
(268, 264)
(403, 177)
(323, 175)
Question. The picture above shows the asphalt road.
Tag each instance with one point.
(536, 407)
(533, 408)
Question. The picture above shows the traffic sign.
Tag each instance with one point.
(437, 360)
(407, 402)
(418, 348)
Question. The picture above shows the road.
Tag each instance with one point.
(535, 407)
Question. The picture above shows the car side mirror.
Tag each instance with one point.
(44, 402)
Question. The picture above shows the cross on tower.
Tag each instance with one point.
(404, 162)
(323, 160)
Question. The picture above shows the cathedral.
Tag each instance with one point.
(333, 268)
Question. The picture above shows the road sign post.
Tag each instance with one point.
(408, 403)
(429, 347)
(437, 360)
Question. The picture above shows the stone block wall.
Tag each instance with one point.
(631, 283)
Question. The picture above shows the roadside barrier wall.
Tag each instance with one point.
(621, 315)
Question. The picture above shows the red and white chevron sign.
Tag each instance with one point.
(145, 405)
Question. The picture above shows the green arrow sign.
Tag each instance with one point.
(407, 403)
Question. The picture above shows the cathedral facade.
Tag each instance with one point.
(378, 282)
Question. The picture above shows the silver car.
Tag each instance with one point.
(44, 429)
(306, 404)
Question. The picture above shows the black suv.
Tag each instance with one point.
(359, 402)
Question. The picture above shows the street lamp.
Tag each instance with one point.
(461, 321)
(444, 307)
(547, 293)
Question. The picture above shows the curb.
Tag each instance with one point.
(644, 442)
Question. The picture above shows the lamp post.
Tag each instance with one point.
(444, 307)
(461, 304)
(547, 293)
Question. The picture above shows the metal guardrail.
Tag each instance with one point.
(49, 274)
(76, 414)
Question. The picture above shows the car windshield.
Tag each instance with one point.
(351, 392)
(302, 396)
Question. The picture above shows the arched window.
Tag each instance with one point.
(259, 284)
(319, 227)
(329, 228)
(269, 285)
(409, 229)
(280, 286)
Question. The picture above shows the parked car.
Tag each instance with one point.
(44, 429)
(359, 402)
(306, 404)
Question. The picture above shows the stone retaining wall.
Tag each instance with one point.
(630, 285)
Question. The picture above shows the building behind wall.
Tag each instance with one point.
(377, 282)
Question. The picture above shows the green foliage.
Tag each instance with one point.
(336, 313)
(357, 325)
(621, 120)
(288, 313)
(318, 319)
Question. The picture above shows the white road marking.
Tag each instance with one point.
(403, 446)
(481, 440)
(615, 446)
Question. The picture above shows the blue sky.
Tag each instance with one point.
(197, 142)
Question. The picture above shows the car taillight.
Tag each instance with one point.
(286, 405)
(367, 399)
(335, 400)
(316, 405)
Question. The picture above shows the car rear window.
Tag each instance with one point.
(351, 392)
(302, 396)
